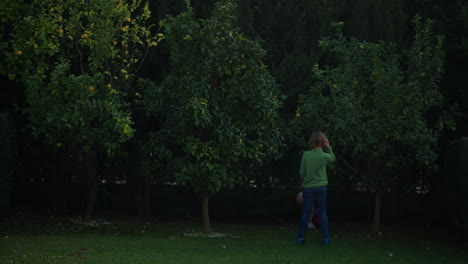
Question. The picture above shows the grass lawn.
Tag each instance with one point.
(60, 240)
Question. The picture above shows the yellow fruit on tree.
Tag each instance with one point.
(91, 89)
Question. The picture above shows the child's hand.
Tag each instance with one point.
(326, 143)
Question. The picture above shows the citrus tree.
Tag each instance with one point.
(375, 103)
(217, 109)
(77, 60)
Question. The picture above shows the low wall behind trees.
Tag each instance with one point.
(171, 201)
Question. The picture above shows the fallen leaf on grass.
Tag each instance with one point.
(210, 235)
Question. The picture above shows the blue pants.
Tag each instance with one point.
(309, 195)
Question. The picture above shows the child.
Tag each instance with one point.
(314, 178)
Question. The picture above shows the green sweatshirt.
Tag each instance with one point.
(313, 169)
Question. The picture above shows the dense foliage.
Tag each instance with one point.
(216, 93)
(77, 64)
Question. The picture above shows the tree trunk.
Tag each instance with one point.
(147, 202)
(376, 224)
(91, 161)
(139, 185)
(142, 199)
(394, 200)
(205, 213)
(61, 181)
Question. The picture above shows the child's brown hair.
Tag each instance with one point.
(317, 139)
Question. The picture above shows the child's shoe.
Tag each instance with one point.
(326, 241)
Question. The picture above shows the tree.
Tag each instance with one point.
(218, 107)
(375, 104)
(77, 60)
